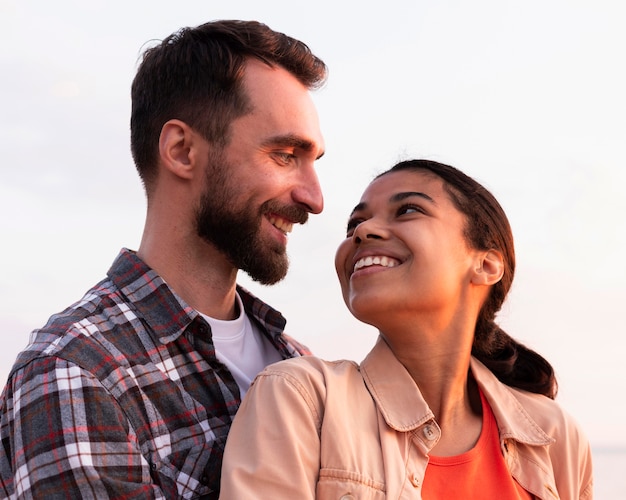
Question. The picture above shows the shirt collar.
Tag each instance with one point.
(167, 314)
(156, 303)
(270, 319)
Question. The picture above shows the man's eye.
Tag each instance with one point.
(284, 157)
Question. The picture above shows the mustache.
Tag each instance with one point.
(293, 213)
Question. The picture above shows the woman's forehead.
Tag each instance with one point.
(404, 180)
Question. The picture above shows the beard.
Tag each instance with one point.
(236, 231)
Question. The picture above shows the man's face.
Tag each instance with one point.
(264, 180)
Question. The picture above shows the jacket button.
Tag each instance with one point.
(429, 432)
(415, 481)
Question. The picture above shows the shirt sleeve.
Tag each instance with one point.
(65, 436)
(273, 448)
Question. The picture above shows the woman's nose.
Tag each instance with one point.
(367, 229)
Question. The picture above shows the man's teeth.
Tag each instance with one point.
(284, 225)
(376, 260)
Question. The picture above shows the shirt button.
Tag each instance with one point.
(415, 481)
(429, 432)
(347, 496)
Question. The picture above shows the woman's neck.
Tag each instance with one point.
(439, 363)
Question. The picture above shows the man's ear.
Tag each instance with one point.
(178, 148)
(489, 269)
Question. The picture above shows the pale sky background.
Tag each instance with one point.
(529, 97)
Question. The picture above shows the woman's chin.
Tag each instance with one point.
(367, 312)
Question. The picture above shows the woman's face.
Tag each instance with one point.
(405, 251)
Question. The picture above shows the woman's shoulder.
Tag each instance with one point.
(550, 415)
(569, 448)
(527, 413)
(310, 367)
(313, 377)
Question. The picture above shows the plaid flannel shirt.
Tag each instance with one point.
(121, 395)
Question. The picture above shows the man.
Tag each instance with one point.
(130, 392)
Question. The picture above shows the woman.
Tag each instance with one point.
(446, 405)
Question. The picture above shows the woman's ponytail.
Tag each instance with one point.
(512, 362)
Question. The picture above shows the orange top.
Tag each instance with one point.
(480, 473)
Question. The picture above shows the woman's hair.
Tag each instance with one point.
(488, 228)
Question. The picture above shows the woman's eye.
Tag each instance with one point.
(409, 209)
(352, 224)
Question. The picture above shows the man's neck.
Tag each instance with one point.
(198, 273)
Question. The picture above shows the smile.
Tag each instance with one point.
(376, 260)
(282, 224)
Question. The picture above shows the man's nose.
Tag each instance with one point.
(308, 192)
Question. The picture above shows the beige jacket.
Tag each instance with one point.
(333, 430)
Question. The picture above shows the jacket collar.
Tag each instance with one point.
(396, 394)
(513, 420)
(401, 403)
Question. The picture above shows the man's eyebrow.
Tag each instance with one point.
(293, 141)
(395, 199)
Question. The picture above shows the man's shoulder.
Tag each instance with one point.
(296, 346)
(82, 322)
(105, 315)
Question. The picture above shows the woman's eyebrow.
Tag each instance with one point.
(396, 198)
(409, 194)
(358, 208)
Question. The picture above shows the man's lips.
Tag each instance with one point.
(283, 217)
(280, 223)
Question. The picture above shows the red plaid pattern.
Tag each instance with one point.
(121, 396)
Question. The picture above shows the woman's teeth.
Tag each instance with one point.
(376, 260)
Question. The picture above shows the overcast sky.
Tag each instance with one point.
(527, 97)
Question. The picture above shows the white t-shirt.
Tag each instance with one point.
(242, 347)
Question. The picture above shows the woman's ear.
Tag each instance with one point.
(178, 145)
(489, 269)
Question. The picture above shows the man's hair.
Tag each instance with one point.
(195, 75)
